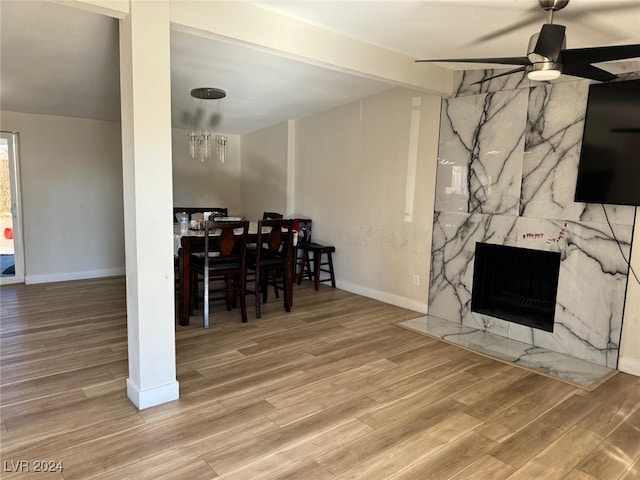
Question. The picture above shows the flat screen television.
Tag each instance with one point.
(609, 169)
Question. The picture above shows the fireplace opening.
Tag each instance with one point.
(516, 284)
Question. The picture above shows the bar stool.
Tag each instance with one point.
(305, 270)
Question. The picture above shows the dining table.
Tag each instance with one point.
(191, 241)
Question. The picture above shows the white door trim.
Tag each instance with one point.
(13, 141)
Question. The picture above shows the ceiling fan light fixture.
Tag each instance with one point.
(544, 72)
(543, 75)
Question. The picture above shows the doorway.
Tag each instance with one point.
(11, 248)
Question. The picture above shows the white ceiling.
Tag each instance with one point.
(63, 61)
(262, 89)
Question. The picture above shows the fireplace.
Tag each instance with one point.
(516, 284)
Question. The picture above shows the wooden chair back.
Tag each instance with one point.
(190, 211)
(275, 237)
(272, 216)
(226, 240)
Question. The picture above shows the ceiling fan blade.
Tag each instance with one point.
(588, 15)
(550, 41)
(516, 70)
(600, 54)
(499, 60)
(532, 17)
(588, 71)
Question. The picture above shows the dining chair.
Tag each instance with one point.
(225, 245)
(272, 216)
(190, 211)
(271, 261)
(216, 212)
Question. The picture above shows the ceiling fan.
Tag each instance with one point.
(547, 57)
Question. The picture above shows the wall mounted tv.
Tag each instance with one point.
(609, 170)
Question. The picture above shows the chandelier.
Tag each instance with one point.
(200, 137)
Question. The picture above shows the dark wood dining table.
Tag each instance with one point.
(193, 241)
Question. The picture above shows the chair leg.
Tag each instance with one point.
(333, 277)
(243, 303)
(303, 266)
(287, 297)
(317, 258)
(298, 266)
(274, 279)
(258, 282)
(229, 283)
(206, 300)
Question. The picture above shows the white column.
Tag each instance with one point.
(147, 189)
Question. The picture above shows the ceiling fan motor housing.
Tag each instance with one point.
(553, 4)
(538, 61)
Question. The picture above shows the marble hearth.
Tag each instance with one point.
(570, 369)
(507, 169)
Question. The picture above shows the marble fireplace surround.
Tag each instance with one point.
(507, 169)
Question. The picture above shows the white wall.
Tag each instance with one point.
(208, 184)
(264, 171)
(71, 172)
(352, 165)
(630, 343)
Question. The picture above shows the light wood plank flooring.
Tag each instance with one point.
(332, 390)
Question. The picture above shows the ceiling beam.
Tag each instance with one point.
(110, 8)
(251, 25)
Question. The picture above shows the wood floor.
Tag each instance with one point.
(332, 390)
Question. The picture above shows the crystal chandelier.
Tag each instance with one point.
(200, 139)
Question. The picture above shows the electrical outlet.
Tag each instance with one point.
(416, 280)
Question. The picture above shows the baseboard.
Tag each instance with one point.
(386, 297)
(68, 276)
(629, 365)
(153, 396)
